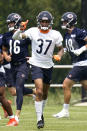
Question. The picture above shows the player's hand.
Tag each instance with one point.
(27, 58)
(23, 25)
(8, 58)
(56, 57)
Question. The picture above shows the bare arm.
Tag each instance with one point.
(1, 58)
(5, 54)
(61, 51)
(59, 54)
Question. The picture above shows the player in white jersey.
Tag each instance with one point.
(44, 39)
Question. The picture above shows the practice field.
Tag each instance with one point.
(76, 122)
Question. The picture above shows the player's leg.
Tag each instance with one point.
(74, 75)
(9, 85)
(5, 103)
(84, 84)
(21, 76)
(39, 101)
(37, 77)
(47, 78)
(67, 85)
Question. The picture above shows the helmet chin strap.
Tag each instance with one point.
(65, 27)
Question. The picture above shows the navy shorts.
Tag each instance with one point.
(43, 73)
(78, 73)
(9, 78)
(2, 79)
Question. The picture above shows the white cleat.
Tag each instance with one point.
(0, 118)
(62, 114)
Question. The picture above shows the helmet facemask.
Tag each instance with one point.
(45, 26)
(44, 20)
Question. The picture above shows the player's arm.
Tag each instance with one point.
(18, 35)
(1, 57)
(82, 49)
(5, 54)
(59, 54)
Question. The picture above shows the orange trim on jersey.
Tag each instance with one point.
(44, 31)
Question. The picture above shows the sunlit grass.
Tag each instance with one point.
(76, 122)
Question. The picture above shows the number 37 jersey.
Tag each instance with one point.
(43, 46)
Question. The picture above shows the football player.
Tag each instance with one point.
(44, 39)
(75, 40)
(16, 53)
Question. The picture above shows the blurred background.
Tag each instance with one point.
(29, 9)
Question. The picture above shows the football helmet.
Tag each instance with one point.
(16, 18)
(70, 19)
(44, 16)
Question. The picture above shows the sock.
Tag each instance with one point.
(38, 107)
(34, 97)
(66, 106)
(10, 117)
(43, 105)
(16, 118)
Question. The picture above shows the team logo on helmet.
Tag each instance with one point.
(70, 16)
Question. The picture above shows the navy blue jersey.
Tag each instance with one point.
(1, 36)
(17, 48)
(75, 40)
(1, 44)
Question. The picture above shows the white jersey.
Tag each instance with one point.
(43, 46)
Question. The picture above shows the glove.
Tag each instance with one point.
(57, 57)
(80, 51)
(23, 25)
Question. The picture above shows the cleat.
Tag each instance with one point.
(42, 117)
(40, 124)
(62, 114)
(0, 118)
(12, 122)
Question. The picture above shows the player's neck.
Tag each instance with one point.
(44, 31)
(71, 29)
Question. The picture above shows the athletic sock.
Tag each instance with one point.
(38, 107)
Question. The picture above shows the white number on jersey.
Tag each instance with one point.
(14, 46)
(69, 45)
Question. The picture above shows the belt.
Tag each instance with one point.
(18, 63)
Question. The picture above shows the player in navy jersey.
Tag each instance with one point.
(3, 100)
(16, 52)
(75, 40)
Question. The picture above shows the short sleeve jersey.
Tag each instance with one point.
(43, 46)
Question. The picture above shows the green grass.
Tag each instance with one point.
(76, 122)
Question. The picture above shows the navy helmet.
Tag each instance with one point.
(44, 16)
(16, 18)
(70, 18)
